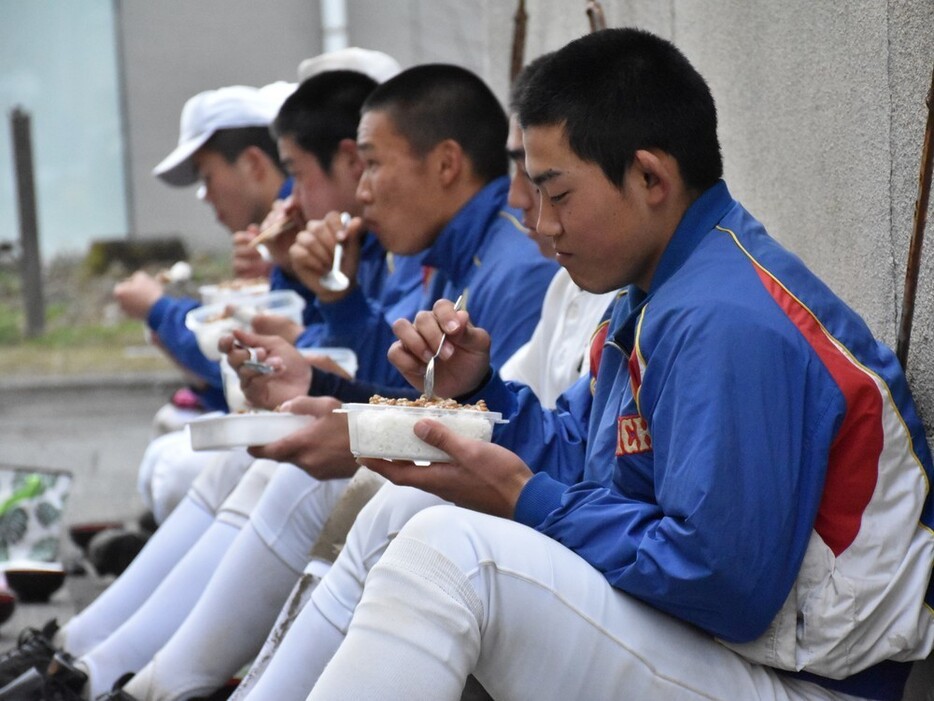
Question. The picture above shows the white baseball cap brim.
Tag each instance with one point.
(231, 107)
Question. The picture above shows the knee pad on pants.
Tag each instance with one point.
(244, 497)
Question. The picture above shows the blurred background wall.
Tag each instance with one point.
(822, 110)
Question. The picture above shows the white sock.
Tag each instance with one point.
(225, 629)
(134, 643)
(127, 593)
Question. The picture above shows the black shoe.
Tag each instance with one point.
(34, 650)
(63, 680)
(117, 693)
(112, 551)
(147, 522)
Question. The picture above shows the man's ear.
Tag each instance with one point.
(256, 160)
(448, 160)
(348, 156)
(658, 174)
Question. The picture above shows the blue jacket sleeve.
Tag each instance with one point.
(280, 280)
(552, 441)
(353, 391)
(167, 319)
(363, 319)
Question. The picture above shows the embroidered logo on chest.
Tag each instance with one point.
(632, 435)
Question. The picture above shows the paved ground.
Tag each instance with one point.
(97, 429)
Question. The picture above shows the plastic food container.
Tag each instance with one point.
(212, 321)
(387, 431)
(233, 430)
(233, 394)
(224, 291)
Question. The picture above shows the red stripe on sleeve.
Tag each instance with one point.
(853, 465)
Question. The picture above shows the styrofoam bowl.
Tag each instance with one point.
(387, 431)
(231, 289)
(235, 430)
(212, 321)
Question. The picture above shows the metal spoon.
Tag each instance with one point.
(429, 390)
(336, 281)
(253, 362)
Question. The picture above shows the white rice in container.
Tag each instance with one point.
(388, 431)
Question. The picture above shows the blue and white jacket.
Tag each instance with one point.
(748, 459)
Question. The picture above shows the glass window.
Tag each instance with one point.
(60, 66)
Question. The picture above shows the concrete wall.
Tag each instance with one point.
(173, 49)
(822, 114)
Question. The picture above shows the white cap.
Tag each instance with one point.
(379, 66)
(231, 107)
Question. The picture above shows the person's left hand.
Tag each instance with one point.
(323, 449)
(276, 325)
(137, 294)
(290, 378)
(481, 476)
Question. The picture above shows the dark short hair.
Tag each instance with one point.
(323, 111)
(522, 80)
(433, 102)
(619, 90)
(230, 143)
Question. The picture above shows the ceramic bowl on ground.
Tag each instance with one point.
(7, 605)
(387, 431)
(254, 428)
(82, 533)
(34, 581)
(212, 321)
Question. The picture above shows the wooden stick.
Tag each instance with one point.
(273, 231)
(518, 42)
(917, 234)
(595, 15)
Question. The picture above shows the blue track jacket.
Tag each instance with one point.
(748, 458)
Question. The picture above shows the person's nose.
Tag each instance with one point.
(519, 195)
(364, 192)
(548, 223)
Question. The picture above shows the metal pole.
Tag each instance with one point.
(595, 15)
(518, 41)
(28, 223)
(917, 234)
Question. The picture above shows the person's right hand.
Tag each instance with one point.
(286, 215)
(321, 449)
(276, 325)
(137, 294)
(464, 361)
(247, 261)
(312, 254)
(291, 377)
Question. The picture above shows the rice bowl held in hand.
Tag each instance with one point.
(386, 428)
